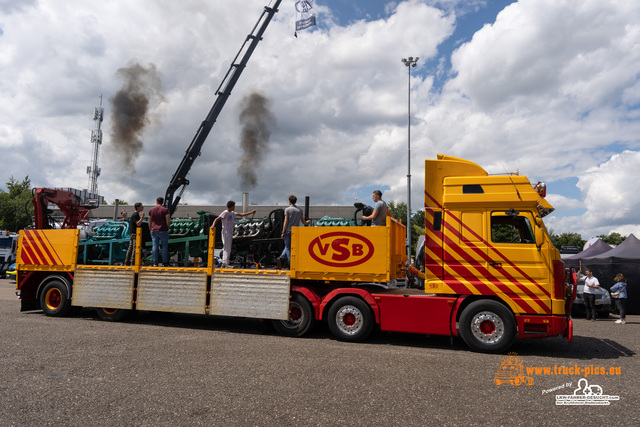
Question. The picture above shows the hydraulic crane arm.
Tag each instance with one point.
(224, 90)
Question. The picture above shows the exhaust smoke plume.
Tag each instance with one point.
(257, 123)
(141, 90)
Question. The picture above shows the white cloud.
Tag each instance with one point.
(609, 199)
(610, 191)
(565, 203)
(551, 89)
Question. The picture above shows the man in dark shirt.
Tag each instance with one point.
(134, 222)
(292, 218)
(159, 219)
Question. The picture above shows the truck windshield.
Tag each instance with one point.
(511, 229)
(5, 243)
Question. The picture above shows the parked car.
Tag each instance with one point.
(604, 301)
(11, 271)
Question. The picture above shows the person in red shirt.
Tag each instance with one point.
(159, 220)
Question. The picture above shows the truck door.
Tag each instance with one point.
(514, 259)
(465, 255)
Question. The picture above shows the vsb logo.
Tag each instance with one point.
(341, 249)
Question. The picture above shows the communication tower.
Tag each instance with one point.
(96, 140)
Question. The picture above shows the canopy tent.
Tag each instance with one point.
(624, 258)
(627, 251)
(597, 248)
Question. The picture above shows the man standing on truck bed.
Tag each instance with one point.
(292, 218)
(228, 217)
(134, 222)
(379, 215)
(159, 220)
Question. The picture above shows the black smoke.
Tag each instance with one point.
(257, 122)
(141, 90)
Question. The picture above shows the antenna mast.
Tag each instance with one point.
(96, 139)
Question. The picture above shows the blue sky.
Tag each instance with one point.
(547, 88)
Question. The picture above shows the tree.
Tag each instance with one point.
(566, 239)
(16, 211)
(417, 225)
(399, 212)
(613, 238)
(504, 233)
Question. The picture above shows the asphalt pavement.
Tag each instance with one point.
(166, 369)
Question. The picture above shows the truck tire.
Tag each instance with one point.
(350, 319)
(487, 326)
(301, 318)
(54, 299)
(113, 314)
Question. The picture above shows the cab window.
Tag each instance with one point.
(511, 229)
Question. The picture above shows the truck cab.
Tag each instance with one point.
(485, 239)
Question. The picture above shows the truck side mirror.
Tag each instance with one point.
(539, 237)
(539, 234)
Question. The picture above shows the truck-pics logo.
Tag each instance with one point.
(341, 249)
(511, 371)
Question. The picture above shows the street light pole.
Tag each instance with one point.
(409, 62)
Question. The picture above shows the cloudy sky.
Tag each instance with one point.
(548, 88)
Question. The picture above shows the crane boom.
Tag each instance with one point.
(224, 90)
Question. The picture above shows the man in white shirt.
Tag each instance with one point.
(589, 294)
(228, 221)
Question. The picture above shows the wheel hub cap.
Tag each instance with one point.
(349, 319)
(487, 327)
(53, 299)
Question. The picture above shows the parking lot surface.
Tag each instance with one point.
(167, 369)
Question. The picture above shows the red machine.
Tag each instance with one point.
(74, 211)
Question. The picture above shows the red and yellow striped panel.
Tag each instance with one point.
(55, 248)
(463, 269)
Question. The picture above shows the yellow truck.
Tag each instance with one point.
(491, 274)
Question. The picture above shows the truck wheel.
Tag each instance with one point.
(301, 318)
(54, 299)
(350, 319)
(113, 314)
(487, 326)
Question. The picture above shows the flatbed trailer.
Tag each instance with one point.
(490, 275)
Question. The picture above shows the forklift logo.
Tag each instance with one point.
(511, 371)
(341, 249)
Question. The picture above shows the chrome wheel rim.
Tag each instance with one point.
(487, 327)
(349, 320)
